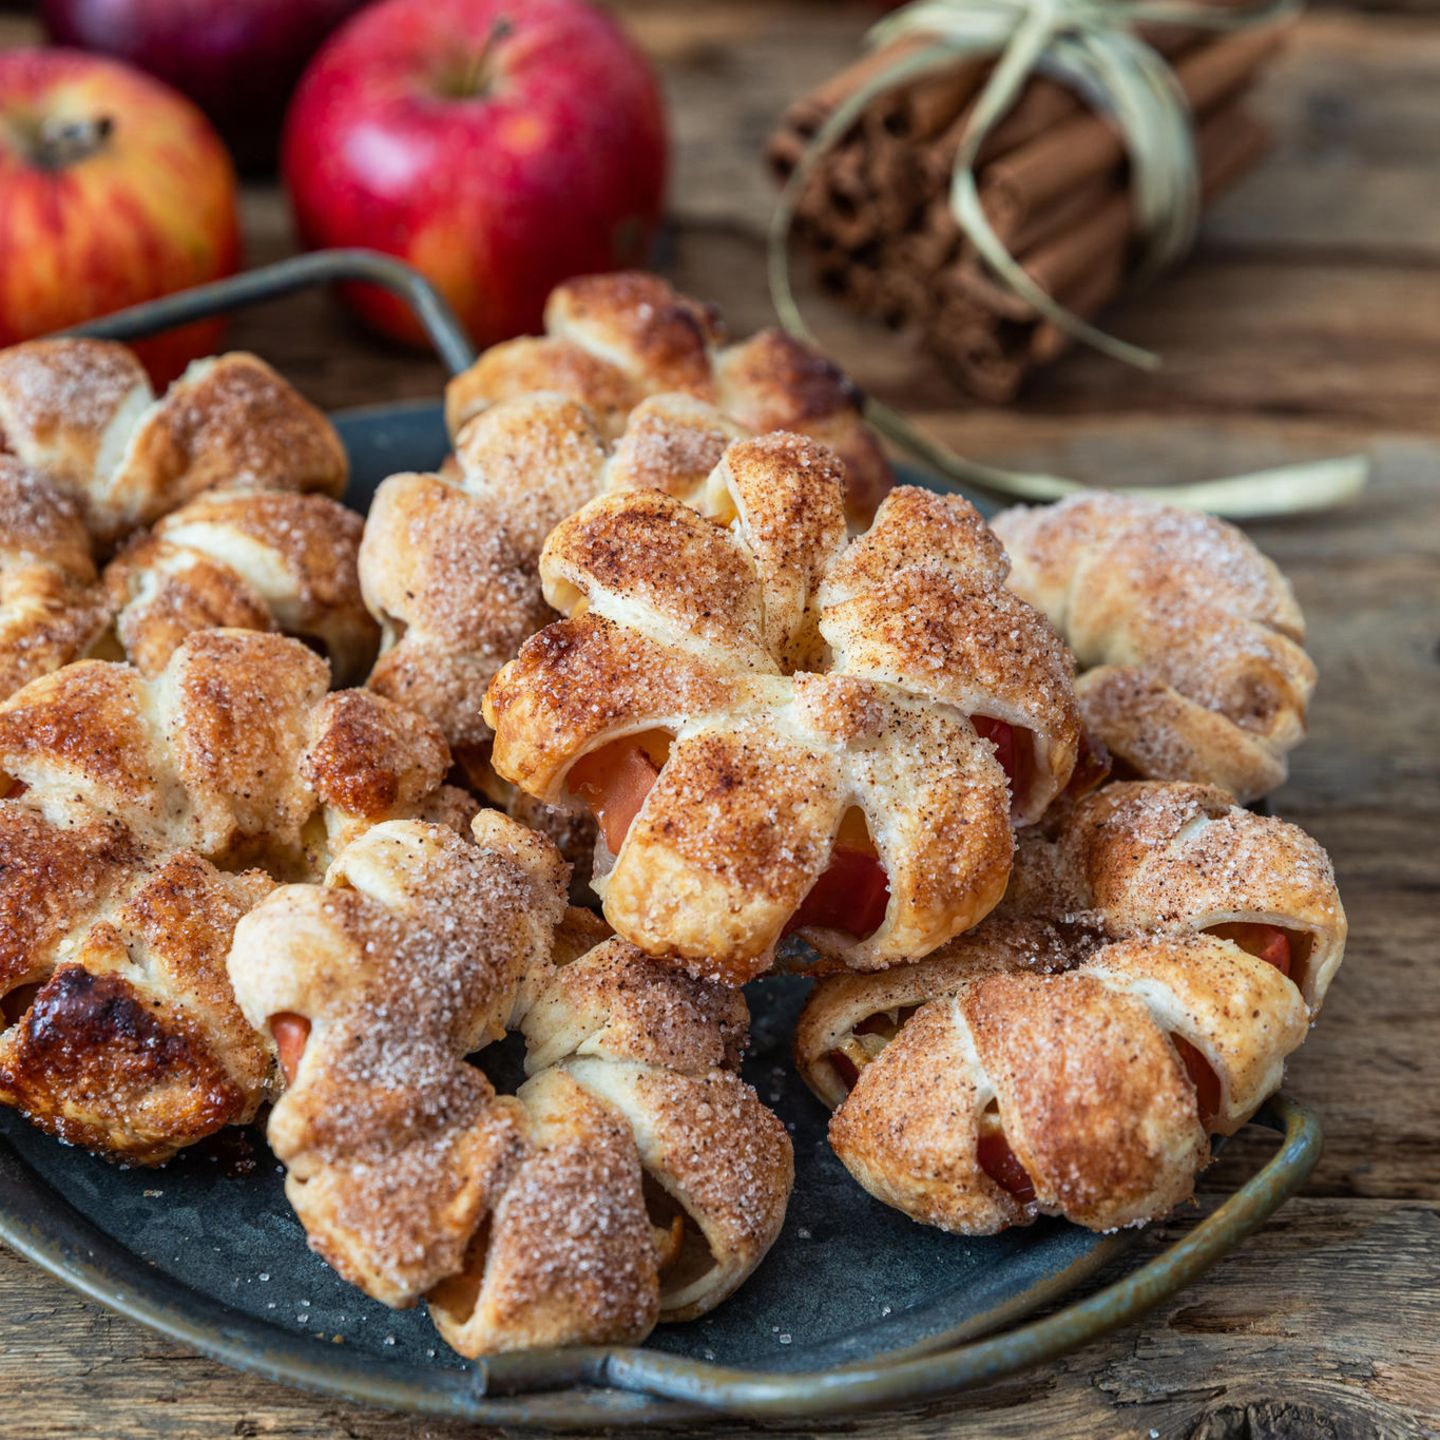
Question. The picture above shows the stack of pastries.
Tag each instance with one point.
(664, 638)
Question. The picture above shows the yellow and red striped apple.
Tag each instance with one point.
(113, 190)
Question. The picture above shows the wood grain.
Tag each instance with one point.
(1308, 323)
(1272, 1343)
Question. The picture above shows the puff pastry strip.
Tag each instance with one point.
(51, 609)
(252, 560)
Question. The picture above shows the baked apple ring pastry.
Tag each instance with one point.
(632, 1178)
(1188, 639)
(130, 810)
(1137, 992)
(83, 414)
(88, 454)
(780, 731)
(450, 563)
(613, 340)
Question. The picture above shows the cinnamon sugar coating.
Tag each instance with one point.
(83, 413)
(51, 610)
(448, 564)
(530, 1219)
(134, 807)
(1189, 640)
(1055, 1023)
(88, 454)
(798, 678)
(253, 560)
(613, 340)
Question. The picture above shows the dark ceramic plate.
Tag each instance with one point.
(855, 1307)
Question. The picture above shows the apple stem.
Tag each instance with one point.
(62, 142)
(472, 80)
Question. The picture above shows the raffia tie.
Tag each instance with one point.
(1090, 45)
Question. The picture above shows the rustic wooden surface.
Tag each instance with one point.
(1309, 322)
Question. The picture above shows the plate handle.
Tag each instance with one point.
(876, 1384)
(300, 272)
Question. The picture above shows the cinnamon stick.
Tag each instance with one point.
(1052, 176)
(1089, 146)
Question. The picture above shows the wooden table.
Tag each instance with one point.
(1309, 322)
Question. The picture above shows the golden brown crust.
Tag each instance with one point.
(772, 381)
(920, 602)
(229, 422)
(254, 560)
(87, 454)
(1098, 955)
(83, 413)
(449, 566)
(404, 961)
(670, 443)
(1174, 859)
(523, 1220)
(67, 408)
(614, 340)
(1189, 638)
(40, 523)
(567, 1258)
(51, 610)
(133, 1044)
(718, 1154)
(909, 1129)
(547, 365)
(641, 325)
(615, 1001)
(711, 626)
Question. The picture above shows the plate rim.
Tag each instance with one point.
(563, 1389)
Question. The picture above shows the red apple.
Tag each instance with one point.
(499, 146)
(238, 60)
(113, 190)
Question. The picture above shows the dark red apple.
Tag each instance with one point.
(113, 190)
(237, 59)
(500, 146)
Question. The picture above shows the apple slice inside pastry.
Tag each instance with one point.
(852, 893)
(999, 1161)
(1265, 942)
(291, 1034)
(614, 780)
(1014, 749)
(16, 1002)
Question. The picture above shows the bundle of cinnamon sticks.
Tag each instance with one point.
(1053, 180)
